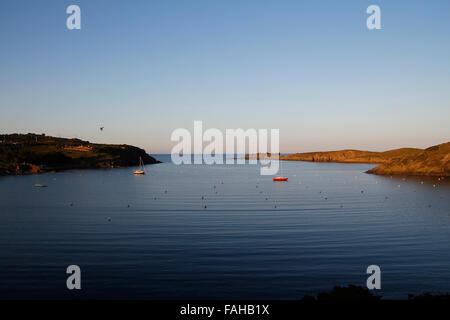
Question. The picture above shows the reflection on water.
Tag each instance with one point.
(222, 231)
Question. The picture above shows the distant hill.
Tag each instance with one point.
(259, 156)
(351, 156)
(433, 161)
(405, 161)
(33, 153)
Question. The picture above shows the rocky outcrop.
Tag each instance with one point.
(433, 161)
(350, 156)
(31, 154)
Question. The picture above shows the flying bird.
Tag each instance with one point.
(101, 128)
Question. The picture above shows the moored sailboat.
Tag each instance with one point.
(280, 178)
(141, 169)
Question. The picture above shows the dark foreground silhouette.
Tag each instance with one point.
(353, 293)
(32, 153)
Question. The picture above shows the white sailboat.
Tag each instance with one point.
(141, 169)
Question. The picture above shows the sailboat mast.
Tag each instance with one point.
(279, 161)
(142, 164)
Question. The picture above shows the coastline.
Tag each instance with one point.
(432, 161)
(36, 154)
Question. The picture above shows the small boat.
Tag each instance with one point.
(141, 169)
(40, 185)
(280, 179)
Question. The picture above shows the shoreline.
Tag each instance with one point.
(53, 170)
(23, 154)
(433, 161)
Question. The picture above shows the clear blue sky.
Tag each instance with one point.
(310, 68)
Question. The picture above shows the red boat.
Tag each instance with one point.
(280, 178)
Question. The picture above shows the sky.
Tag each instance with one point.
(312, 69)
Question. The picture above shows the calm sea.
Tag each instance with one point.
(222, 231)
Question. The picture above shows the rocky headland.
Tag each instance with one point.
(38, 153)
